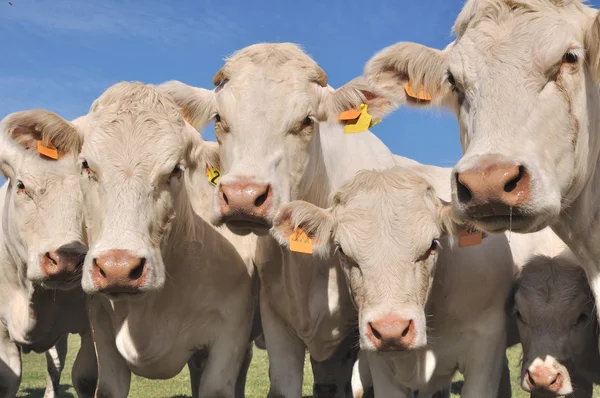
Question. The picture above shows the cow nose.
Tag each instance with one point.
(118, 271)
(543, 378)
(392, 333)
(246, 198)
(61, 264)
(493, 185)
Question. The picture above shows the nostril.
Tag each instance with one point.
(464, 194)
(405, 332)
(512, 184)
(49, 257)
(100, 270)
(137, 272)
(530, 379)
(374, 331)
(262, 198)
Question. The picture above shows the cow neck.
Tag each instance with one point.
(335, 159)
(9, 248)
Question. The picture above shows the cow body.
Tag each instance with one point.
(170, 289)
(41, 253)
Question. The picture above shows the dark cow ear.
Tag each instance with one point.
(42, 132)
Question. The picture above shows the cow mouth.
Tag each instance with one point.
(497, 218)
(60, 285)
(243, 224)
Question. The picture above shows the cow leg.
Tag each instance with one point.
(484, 364)
(10, 366)
(85, 369)
(240, 384)
(223, 365)
(384, 380)
(505, 388)
(55, 362)
(333, 377)
(114, 376)
(362, 383)
(196, 365)
(286, 355)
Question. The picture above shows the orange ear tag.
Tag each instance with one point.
(422, 95)
(468, 236)
(49, 151)
(213, 175)
(359, 124)
(300, 242)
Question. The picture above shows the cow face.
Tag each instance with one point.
(520, 78)
(267, 108)
(136, 148)
(557, 324)
(386, 228)
(43, 215)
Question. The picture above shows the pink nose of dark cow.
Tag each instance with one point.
(492, 187)
(545, 379)
(245, 201)
(118, 271)
(392, 333)
(63, 264)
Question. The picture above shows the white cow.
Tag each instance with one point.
(270, 110)
(426, 308)
(41, 252)
(521, 77)
(167, 287)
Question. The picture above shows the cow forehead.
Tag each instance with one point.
(517, 34)
(136, 139)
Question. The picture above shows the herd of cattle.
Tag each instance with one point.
(300, 231)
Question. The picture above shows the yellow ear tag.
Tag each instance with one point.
(422, 95)
(468, 236)
(300, 242)
(213, 175)
(361, 123)
(49, 151)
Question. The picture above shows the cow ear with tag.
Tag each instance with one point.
(303, 228)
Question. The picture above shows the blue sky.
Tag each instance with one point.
(61, 54)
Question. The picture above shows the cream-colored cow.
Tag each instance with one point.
(522, 78)
(426, 308)
(167, 287)
(41, 252)
(270, 111)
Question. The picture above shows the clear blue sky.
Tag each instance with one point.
(61, 54)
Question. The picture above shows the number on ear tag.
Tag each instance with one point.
(300, 242)
(213, 175)
(49, 151)
(422, 95)
(468, 236)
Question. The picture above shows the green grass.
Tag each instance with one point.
(34, 378)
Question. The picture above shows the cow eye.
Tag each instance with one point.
(308, 121)
(583, 318)
(339, 249)
(217, 118)
(177, 170)
(451, 79)
(20, 185)
(570, 57)
(434, 246)
(85, 165)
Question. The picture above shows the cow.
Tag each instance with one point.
(42, 246)
(522, 78)
(276, 122)
(166, 287)
(557, 327)
(426, 308)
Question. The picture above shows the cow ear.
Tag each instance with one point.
(350, 96)
(197, 105)
(38, 132)
(317, 224)
(409, 73)
(592, 47)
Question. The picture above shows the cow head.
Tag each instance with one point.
(521, 78)
(43, 215)
(386, 228)
(267, 107)
(557, 324)
(137, 146)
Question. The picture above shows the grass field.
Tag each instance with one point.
(34, 373)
